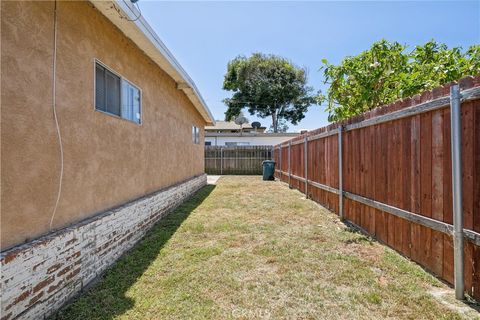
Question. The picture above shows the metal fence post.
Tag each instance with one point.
(340, 173)
(289, 163)
(221, 161)
(305, 149)
(456, 135)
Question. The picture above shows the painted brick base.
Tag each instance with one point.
(38, 277)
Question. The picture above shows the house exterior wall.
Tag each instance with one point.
(259, 140)
(107, 161)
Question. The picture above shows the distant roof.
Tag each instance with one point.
(124, 15)
(251, 134)
(229, 125)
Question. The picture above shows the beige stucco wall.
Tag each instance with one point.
(107, 161)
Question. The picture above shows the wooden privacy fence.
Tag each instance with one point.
(236, 160)
(389, 171)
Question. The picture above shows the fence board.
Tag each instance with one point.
(390, 196)
(416, 230)
(356, 175)
(447, 207)
(361, 178)
(406, 168)
(426, 185)
(437, 190)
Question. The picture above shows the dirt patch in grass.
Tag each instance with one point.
(249, 249)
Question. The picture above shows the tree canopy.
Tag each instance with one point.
(268, 86)
(387, 72)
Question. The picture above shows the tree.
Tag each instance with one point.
(281, 126)
(386, 72)
(268, 86)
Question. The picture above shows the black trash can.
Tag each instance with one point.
(268, 170)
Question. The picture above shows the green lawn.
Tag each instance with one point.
(249, 249)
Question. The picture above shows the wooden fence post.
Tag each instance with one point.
(305, 152)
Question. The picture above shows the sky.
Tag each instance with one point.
(205, 36)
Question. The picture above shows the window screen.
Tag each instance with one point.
(115, 95)
(112, 93)
(100, 96)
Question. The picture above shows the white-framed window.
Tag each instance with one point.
(235, 144)
(195, 135)
(116, 95)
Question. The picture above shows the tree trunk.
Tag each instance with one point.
(274, 122)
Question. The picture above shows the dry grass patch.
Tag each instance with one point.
(251, 249)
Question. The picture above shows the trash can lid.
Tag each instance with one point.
(268, 161)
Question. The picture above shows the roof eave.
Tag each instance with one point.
(250, 134)
(128, 19)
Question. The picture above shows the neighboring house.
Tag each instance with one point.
(232, 127)
(128, 149)
(228, 133)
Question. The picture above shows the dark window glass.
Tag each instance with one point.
(107, 91)
(113, 93)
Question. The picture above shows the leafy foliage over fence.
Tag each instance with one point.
(388, 71)
(397, 176)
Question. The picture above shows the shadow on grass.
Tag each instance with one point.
(106, 299)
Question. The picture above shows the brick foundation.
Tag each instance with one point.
(38, 277)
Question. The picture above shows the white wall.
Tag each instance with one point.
(253, 141)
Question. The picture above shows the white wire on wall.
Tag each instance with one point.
(54, 105)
